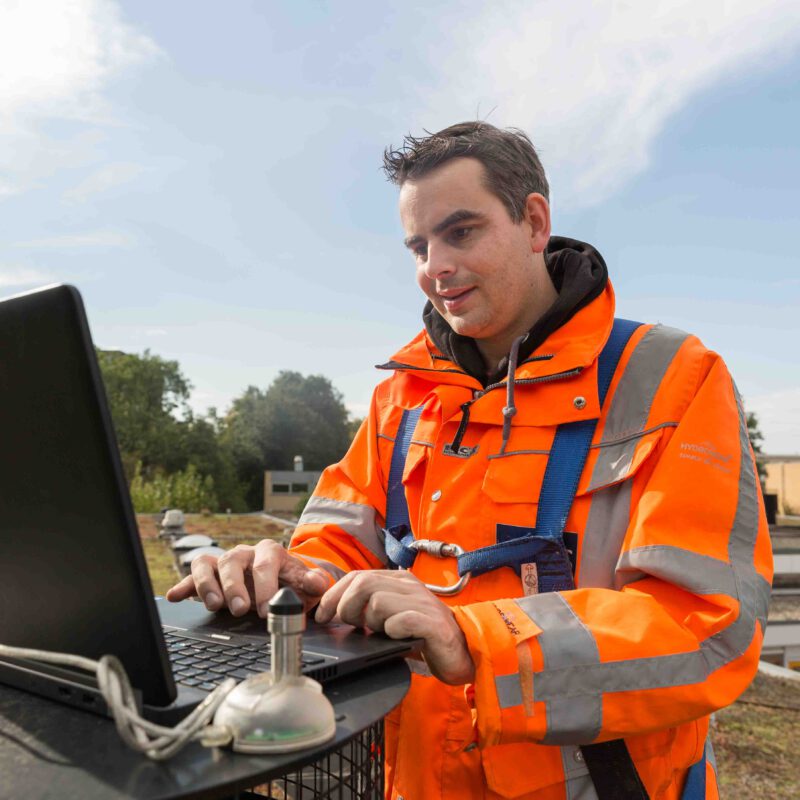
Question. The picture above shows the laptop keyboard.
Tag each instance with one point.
(203, 664)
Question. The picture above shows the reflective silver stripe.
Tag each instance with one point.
(631, 402)
(681, 668)
(578, 785)
(696, 573)
(710, 756)
(509, 692)
(753, 590)
(565, 642)
(609, 515)
(581, 789)
(621, 676)
(336, 572)
(357, 519)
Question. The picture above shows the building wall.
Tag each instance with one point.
(283, 489)
(783, 479)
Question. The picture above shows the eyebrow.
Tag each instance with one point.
(461, 215)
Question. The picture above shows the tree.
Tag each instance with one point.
(148, 396)
(207, 452)
(296, 415)
(160, 440)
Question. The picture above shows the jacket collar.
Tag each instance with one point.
(561, 370)
(573, 346)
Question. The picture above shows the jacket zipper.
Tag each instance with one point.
(455, 445)
(570, 373)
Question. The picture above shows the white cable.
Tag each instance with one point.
(155, 741)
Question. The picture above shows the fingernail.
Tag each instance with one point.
(263, 609)
(212, 601)
(238, 605)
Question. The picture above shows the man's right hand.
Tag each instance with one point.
(247, 576)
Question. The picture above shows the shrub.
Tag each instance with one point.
(186, 489)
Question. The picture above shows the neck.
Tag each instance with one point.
(494, 349)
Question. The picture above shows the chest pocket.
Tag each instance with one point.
(515, 477)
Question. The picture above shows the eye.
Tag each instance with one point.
(420, 252)
(460, 234)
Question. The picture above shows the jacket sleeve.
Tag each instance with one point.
(341, 526)
(679, 637)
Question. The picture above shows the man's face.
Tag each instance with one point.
(476, 265)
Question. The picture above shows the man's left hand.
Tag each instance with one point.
(398, 604)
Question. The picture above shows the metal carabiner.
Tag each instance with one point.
(442, 550)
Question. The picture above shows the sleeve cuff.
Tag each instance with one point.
(502, 642)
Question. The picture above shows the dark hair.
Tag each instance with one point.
(512, 168)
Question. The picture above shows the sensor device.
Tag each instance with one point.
(281, 710)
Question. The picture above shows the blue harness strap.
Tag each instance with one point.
(398, 525)
(695, 786)
(543, 544)
(572, 440)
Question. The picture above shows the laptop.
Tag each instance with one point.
(73, 576)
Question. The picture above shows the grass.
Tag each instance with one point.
(755, 741)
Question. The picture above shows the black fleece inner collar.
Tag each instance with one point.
(579, 274)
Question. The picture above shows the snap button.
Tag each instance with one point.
(577, 755)
(579, 402)
(436, 495)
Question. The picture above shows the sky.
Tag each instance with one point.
(208, 174)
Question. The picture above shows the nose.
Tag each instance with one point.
(439, 263)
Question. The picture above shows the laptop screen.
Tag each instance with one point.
(72, 574)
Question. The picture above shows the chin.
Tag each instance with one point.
(464, 328)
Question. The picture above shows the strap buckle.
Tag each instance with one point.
(439, 549)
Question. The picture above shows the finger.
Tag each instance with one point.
(231, 567)
(330, 600)
(406, 624)
(316, 582)
(267, 562)
(381, 606)
(206, 584)
(368, 581)
(181, 590)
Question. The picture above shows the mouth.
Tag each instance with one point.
(454, 299)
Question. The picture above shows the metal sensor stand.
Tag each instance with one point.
(281, 710)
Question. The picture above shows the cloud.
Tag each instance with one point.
(80, 240)
(55, 60)
(18, 275)
(103, 179)
(594, 83)
(779, 420)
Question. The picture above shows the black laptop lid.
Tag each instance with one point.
(72, 574)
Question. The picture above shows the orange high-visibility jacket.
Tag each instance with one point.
(673, 561)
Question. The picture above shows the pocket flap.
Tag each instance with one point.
(614, 461)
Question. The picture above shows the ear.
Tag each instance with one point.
(537, 215)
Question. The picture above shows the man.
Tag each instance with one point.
(666, 534)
